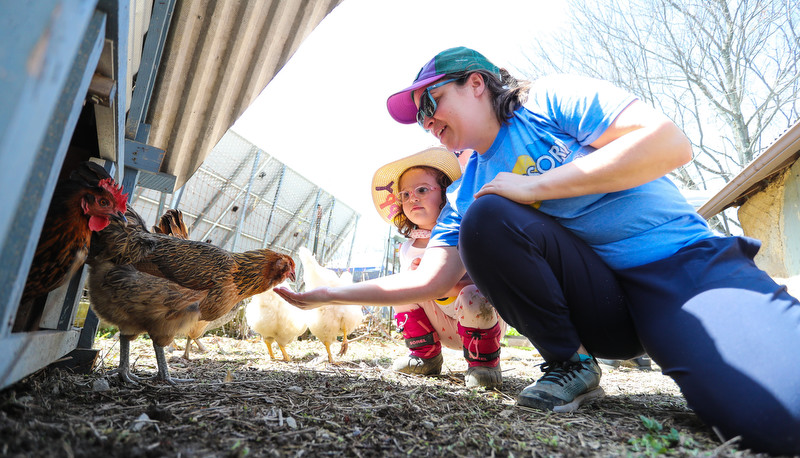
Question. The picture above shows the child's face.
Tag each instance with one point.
(422, 210)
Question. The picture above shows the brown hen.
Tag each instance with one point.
(136, 275)
(171, 223)
(81, 204)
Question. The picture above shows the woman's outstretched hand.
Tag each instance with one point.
(307, 300)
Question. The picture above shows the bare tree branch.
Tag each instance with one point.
(726, 71)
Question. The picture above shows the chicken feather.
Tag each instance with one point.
(171, 223)
(152, 269)
(329, 321)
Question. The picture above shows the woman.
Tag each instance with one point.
(410, 193)
(567, 224)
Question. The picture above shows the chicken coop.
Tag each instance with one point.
(148, 89)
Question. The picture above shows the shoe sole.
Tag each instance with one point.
(425, 374)
(585, 397)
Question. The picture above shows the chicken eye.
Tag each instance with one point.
(104, 202)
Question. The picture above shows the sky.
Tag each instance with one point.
(324, 114)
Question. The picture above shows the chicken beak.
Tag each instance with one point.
(291, 275)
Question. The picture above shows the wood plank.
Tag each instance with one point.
(114, 64)
(26, 353)
(62, 303)
(157, 31)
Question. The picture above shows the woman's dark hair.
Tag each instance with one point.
(401, 221)
(508, 93)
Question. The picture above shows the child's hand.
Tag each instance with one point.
(415, 264)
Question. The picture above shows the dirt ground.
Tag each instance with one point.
(243, 404)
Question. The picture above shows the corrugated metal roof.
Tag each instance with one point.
(218, 57)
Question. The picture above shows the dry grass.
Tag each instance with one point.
(243, 404)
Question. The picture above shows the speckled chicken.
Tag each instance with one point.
(171, 223)
(276, 320)
(136, 275)
(329, 321)
(81, 204)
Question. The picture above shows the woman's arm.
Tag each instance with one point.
(638, 147)
(439, 270)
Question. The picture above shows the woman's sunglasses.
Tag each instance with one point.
(427, 105)
(419, 191)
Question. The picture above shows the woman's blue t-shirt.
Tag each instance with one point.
(563, 115)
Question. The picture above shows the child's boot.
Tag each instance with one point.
(425, 357)
(482, 352)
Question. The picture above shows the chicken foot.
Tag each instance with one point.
(163, 368)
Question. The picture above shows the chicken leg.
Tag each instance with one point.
(163, 368)
(123, 370)
(268, 343)
(343, 348)
(200, 347)
(286, 356)
(328, 349)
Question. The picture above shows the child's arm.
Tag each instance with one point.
(433, 278)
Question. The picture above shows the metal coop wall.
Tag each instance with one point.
(241, 198)
(145, 87)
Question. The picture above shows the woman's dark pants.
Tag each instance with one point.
(720, 327)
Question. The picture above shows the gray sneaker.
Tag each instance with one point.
(487, 377)
(565, 386)
(411, 364)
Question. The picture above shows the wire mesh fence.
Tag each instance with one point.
(241, 198)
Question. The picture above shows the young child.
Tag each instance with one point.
(410, 193)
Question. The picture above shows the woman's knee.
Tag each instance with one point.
(476, 224)
(491, 226)
(484, 214)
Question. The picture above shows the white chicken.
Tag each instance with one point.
(275, 320)
(199, 329)
(329, 321)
